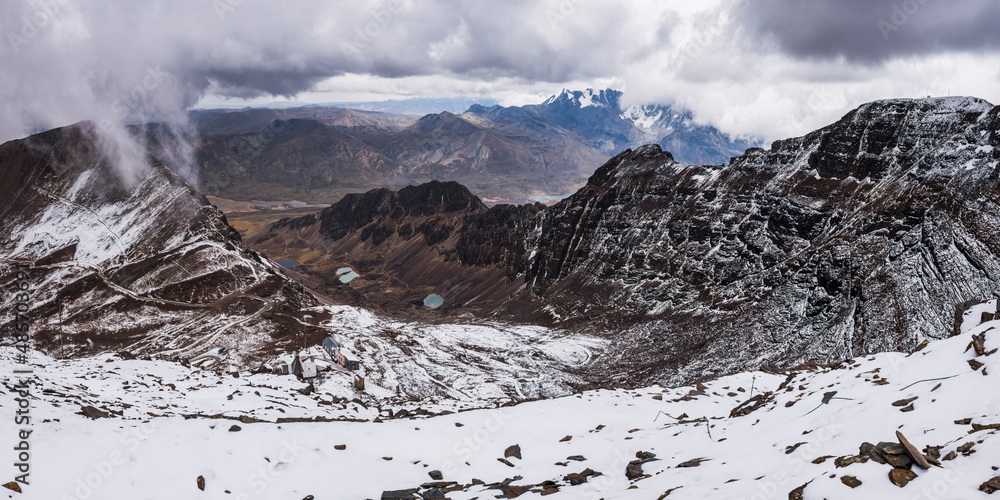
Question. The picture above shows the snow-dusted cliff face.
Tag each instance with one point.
(859, 237)
(150, 267)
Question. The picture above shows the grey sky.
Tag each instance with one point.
(759, 67)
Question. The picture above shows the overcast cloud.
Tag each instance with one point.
(765, 67)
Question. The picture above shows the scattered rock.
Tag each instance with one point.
(667, 493)
(913, 452)
(751, 405)
(901, 461)
(308, 497)
(822, 459)
(900, 477)
(13, 486)
(340, 447)
(92, 412)
(797, 493)
(851, 481)
(436, 475)
(691, 463)
(850, 459)
(983, 427)
(235, 428)
(990, 486)
(634, 471)
(792, 448)
(978, 344)
(906, 408)
(565, 439)
(964, 421)
(201, 483)
(951, 455)
(434, 493)
(400, 494)
(505, 462)
(975, 364)
(513, 451)
(578, 458)
(966, 449)
(871, 451)
(904, 402)
(442, 485)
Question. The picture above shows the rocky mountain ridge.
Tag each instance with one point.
(859, 237)
(139, 262)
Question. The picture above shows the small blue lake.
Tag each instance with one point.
(347, 274)
(550, 198)
(434, 301)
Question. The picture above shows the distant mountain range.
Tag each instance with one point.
(416, 105)
(515, 154)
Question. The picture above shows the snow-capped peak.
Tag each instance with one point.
(585, 98)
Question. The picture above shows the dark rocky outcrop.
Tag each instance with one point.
(124, 255)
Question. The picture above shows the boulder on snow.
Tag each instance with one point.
(513, 451)
(913, 452)
(851, 481)
(900, 477)
(990, 486)
(408, 494)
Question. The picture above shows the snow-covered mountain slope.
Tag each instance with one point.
(812, 433)
(462, 361)
(114, 264)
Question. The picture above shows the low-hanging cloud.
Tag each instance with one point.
(873, 31)
(121, 63)
(765, 68)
